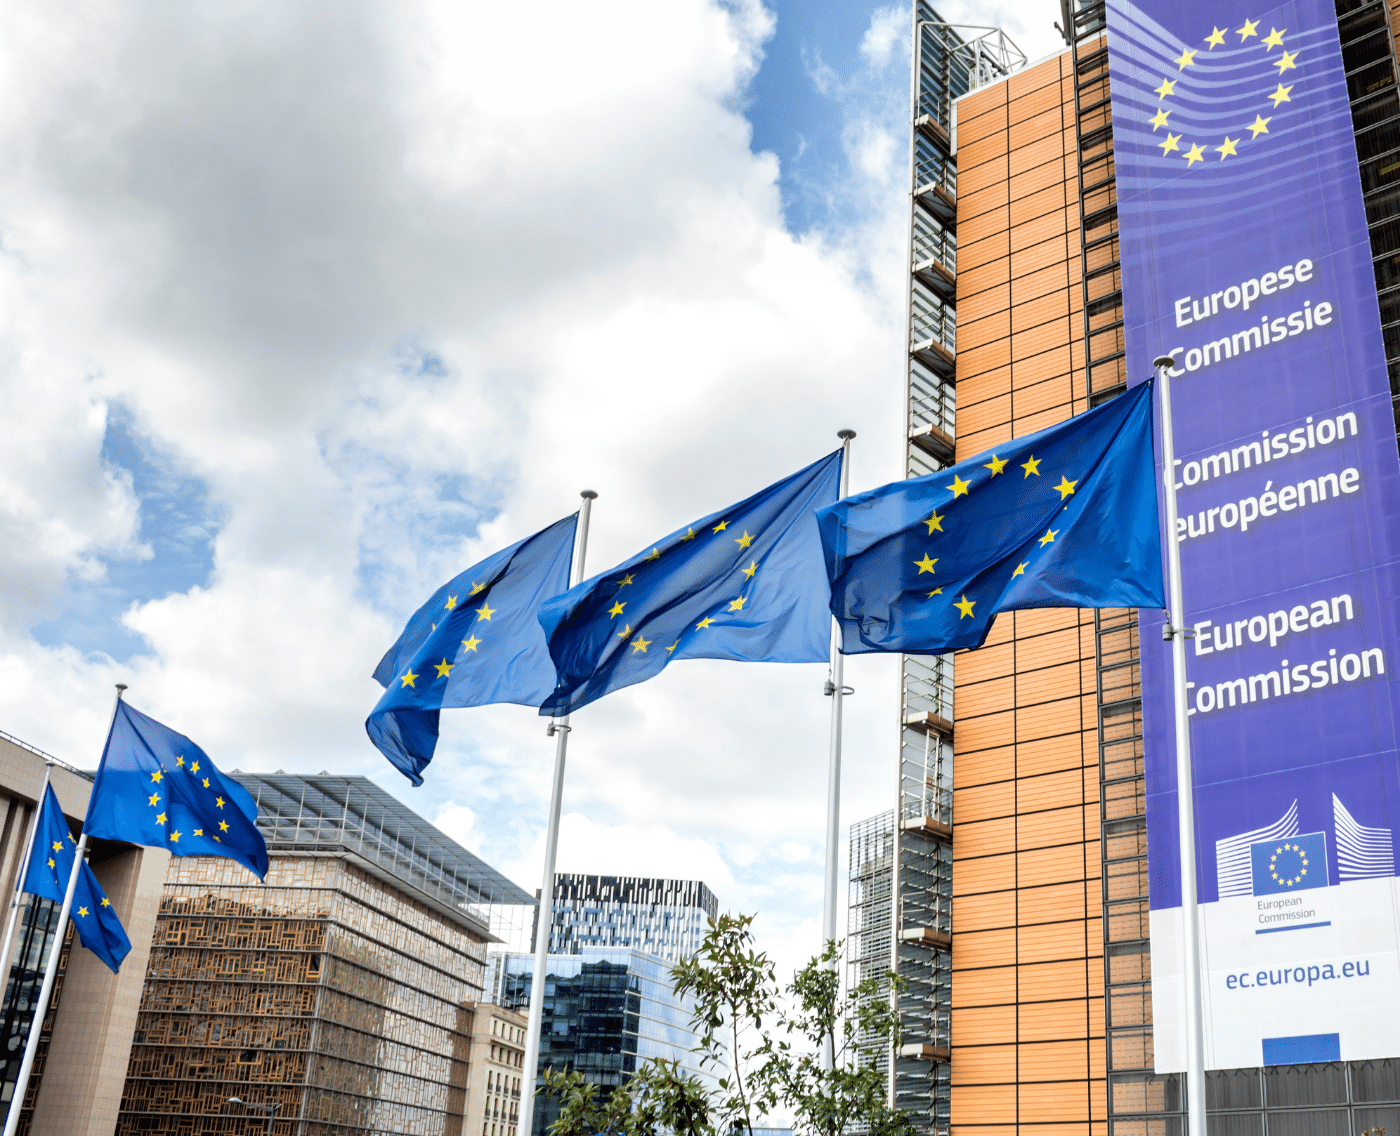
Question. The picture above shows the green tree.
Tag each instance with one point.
(761, 1052)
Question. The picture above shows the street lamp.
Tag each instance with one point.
(270, 1109)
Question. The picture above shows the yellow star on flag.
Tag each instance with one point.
(206, 782)
(1197, 153)
(926, 564)
(1184, 60)
(689, 534)
(738, 604)
(751, 569)
(409, 679)
(959, 486)
(1274, 39)
(478, 588)
(194, 768)
(935, 523)
(180, 761)
(58, 846)
(1285, 62)
(1259, 126)
(83, 911)
(451, 602)
(1281, 95)
(625, 580)
(625, 632)
(1228, 148)
(1216, 38)
(175, 838)
(1066, 487)
(641, 644)
(1168, 87)
(471, 644)
(485, 611)
(51, 863)
(155, 799)
(1031, 466)
(1048, 537)
(996, 465)
(965, 606)
(223, 827)
(219, 801)
(199, 832)
(720, 527)
(673, 646)
(935, 592)
(654, 554)
(160, 819)
(1248, 30)
(1170, 144)
(704, 623)
(443, 668)
(616, 610)
(157, 775)
(1020, 569)
(745, 540)
(1160, 118)
(106, 902)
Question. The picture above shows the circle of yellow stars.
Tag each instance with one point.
(155, 800)
(471, 643)
(1288, 881)
(1228, 148)
(961, 488)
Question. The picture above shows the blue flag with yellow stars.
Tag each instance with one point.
(1066, 517)
(156, 787)
(50, 865)
(747, 583)
(475, 642)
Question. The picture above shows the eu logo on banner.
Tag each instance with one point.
(1292, 864)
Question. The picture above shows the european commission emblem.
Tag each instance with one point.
(1293, 863)
(1228, 97)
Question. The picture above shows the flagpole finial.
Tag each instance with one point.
(1163, 361)
(845, 435)
(588, 494)
(121, 686)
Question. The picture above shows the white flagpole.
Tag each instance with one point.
(13, 921)
(835, 687)
(1185, 787)
(31, 1046)
(545, 917)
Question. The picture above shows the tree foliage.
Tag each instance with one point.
(763, 1050)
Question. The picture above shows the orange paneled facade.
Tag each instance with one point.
(1027, 1020)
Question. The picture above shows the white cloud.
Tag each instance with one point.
(396, 283)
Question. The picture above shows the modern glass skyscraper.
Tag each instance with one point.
(666, 918)
(605, 1009)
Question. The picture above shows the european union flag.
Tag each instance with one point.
(1294, 863)
(50, 865)
(156, 787)
(746, 583)
(1066, 517)
(475, 642)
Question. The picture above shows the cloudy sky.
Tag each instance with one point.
(306, 308)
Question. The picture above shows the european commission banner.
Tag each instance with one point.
(1245, 256)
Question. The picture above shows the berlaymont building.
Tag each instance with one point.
(1008, 884)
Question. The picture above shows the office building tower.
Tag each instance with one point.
(494, 1064)
(341, 990)
(606, 1009)
(665, 918)
(1046, 1011)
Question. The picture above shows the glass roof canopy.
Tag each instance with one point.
(330, 813)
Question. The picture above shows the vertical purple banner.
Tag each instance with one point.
(1245, 256)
